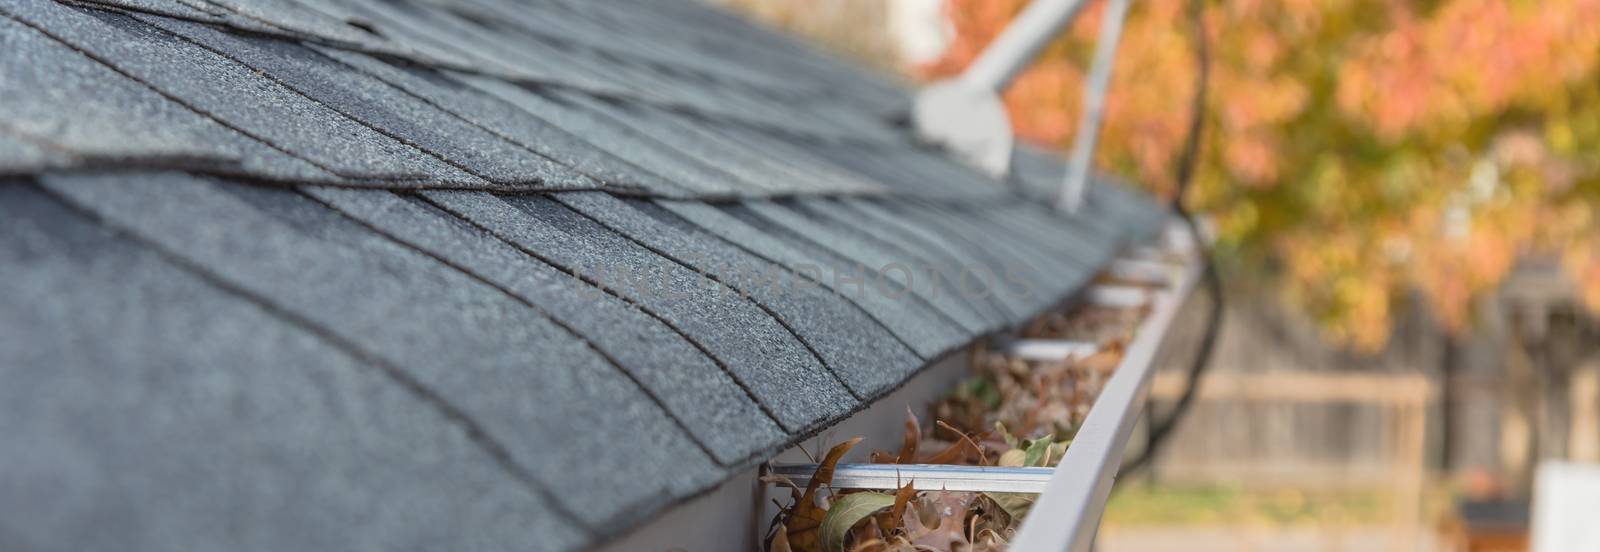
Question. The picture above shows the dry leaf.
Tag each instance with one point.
(806, 517)
(780, 540)
(845, 513)
(1014, 504)
(908, 446)
(890, 521)
(946, 511)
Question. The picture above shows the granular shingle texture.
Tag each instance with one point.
(485, 275)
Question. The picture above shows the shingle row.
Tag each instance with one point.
(272, 109)
(603, 48)
(400, 274)
(149, 404)
(563, 339)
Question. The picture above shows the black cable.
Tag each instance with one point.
(1188, 159)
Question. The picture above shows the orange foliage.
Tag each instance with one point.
(1355, 149)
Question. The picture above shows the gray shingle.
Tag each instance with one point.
(298, 18)
(559, 411)
(1031, 273)
(236, 95)
(978, 270)
(429, 35)
(22, 156)
(690, 386)
(930, 259)
(222, 426)
(189, 9)
(702, 179)
(884, 266)
(1070, 237)
(898, 169)
(511, 123)
(61, 98)
(1112, 205)
(854, 346)
(487, 321)
(756, 349)
(919, 325)
(757, 174)
(1135, 215)
(387, 109)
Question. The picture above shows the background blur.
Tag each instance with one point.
(1406, 198)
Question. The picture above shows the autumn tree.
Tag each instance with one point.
(1355, 149)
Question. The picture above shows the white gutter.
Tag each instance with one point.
(1072, 495)
(1067, 514)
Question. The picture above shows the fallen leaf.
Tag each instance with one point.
(845, 513)
(780, 541)
(946, 511)
(874, 545)
(807, 517)
(950, 455)
(913, 435)
(891, 521)
(1010, 440)
(963, 438)
(1015, 504)
(1038, 451)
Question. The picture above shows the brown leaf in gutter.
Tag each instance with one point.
(806, 517)
(973, 446)
(845, 518)
(1026, 402)
(913, 435)
(780, 540)
(938, 520)
(892, 520)
(1016, 505)
(950, 455)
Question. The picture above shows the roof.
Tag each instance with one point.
(341, 274)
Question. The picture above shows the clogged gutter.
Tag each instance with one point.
(1013, 411)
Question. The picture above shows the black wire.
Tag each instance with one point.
(1188, 159)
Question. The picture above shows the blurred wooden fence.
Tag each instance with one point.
(1305, 429)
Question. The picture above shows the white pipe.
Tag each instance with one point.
(1017, 45)
(1094, 100)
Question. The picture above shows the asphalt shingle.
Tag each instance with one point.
(919, 325)
(764, 356)
(618, 139)
(523, 381)
(509, 122)
(387, 109)
(709, 403)
(978, 271)
(888, 271)
(930, 260)
(855, 347)
(235, 95)
(22, 156)
(618, 252)
(1030, 270)
(1112, 206)
(63, 100)
(222, 426)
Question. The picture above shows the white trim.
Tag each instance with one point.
(924, 477)
(1067, 514)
